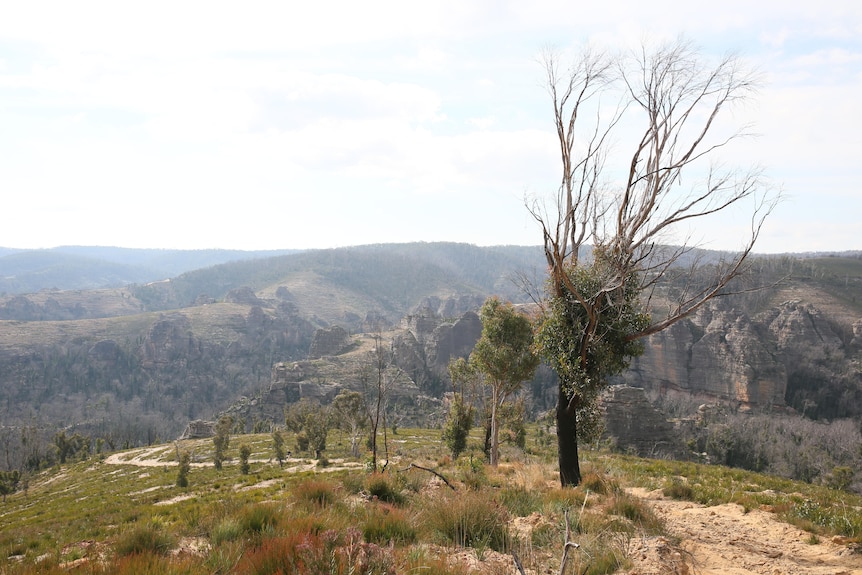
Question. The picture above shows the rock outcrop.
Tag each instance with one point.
(168, 340)
(722, 354)
(634, 426)
(199, 429)
(329, 341)
(427, 343)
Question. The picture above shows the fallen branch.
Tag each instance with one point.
(518, 563)
(446, 481)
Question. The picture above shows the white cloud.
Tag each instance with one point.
(208, 116)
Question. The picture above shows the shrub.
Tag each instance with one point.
(221, 440)
(841, 478)
(457, 428)
(302, 442)
(473, 474)
(183, 469)
(244, 454)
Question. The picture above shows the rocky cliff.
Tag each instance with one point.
(417, 355)
(790, 355)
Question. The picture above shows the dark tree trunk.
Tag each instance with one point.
(567, 441)
(487, 447)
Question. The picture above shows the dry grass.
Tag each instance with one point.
(518, 506)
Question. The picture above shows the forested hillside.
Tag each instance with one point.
(134, 364)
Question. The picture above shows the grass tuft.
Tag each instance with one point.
(385, 524)
(315, 492)
(469, 520)
(144, 539)
(382, 487)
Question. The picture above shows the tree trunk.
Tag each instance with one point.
(567, 441)
(495, 430)
(373, 447)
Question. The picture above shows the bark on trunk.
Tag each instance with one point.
(567, 441)
(495, 441)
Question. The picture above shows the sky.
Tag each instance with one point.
(270, 125)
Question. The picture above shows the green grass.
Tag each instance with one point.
(135, 515)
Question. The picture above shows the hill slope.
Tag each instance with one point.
(125, 513)
(136, 363)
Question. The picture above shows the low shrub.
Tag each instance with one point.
(228, 529)
(636, 511)
(150, 564)
(598, 483)
(679, 490)
(326, 553)
(418, 561)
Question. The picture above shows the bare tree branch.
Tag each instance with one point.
(671, 180)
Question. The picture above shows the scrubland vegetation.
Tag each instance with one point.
(113, 514)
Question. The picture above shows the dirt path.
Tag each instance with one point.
(161, 457)
(726, 540)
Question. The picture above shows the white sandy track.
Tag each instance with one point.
(154, 457)
(727, 540)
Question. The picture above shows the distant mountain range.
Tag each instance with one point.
(91, 267)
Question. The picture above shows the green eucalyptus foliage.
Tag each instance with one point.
(586, 336)
(458, 424)
(505, 355)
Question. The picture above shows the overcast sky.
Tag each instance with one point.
(273, 125)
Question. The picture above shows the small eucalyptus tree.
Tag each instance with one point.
(504, 353)
(351, 416)
(221, 440)
(461, 410)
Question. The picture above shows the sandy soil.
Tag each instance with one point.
(726, 540)
(153, 457)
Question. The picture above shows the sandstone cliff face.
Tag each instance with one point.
(633, 425)
(722, 354)
(169, 340)
(428, 341)
(328, 341)
(419, 351)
